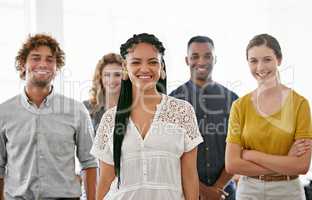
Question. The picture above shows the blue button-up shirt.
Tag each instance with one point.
(212, 104)
(38, 146)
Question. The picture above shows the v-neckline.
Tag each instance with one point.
(271, 115)
(156, 114)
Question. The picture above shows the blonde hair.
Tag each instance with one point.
(97, 92)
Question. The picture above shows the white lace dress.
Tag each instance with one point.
(150, 167)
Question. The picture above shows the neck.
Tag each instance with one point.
(269, 86)
(268, 91)
(201, 83)
(143, 98)
(37, 94)
(111, 100)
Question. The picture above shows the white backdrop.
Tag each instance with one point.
(89, 29)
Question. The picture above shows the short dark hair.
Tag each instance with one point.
(267, 40)
(200, 39)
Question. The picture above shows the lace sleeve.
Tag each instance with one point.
(192, 137)
(102, 145)
(181, 114)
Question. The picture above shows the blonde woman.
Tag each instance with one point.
(105, 89)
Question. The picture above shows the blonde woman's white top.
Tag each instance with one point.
(150, 167)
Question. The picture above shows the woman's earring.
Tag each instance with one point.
(125, 75)
(162, 74)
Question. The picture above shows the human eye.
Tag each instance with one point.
(134, 62)
(154, 62)
(267, 60)
(194, 57)
(208, 56)
(253, 61)
(35, 58)
(106, 74)
(117, 74)
(51, 60)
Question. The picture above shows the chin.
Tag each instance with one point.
(41, 83)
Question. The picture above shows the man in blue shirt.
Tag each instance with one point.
(212, 103)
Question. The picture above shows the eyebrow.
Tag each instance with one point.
(261, 57)
(196, 53)
(34, 55)
(38, 55)
(154, 58)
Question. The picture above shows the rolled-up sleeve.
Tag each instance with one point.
(84, 135)
(3, 153)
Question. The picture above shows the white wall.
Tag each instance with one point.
(89, 29)
(230, 23)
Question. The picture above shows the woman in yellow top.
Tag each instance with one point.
(269, 134)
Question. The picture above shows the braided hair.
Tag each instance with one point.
(125, 98)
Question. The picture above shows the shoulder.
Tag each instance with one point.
(72, 106)
(10, 105)
(176, 111)
(174, 103)
(109, 115)
(87, 104)
(181, 115)
(107, 124)
(298, 99)
(226, 90)
(242, 103)
(180, 90)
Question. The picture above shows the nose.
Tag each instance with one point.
(144, 68)
(201, 60)
(260, 66)
(43, 63)
(114, 79)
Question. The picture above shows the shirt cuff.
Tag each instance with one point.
(88, 164)
(195, 142)
(2, 172)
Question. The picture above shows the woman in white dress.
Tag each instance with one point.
(147, 145)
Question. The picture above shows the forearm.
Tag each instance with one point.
(107, 176)
(289, 165)
(102, 189)
(235, 163)
(247, 168)
(89, 178)
(223, 179)
(190, 181)
(1, 188)
(190, 187)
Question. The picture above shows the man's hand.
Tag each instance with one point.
(211, 192)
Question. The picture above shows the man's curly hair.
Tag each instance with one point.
(34, 42)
